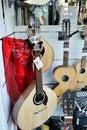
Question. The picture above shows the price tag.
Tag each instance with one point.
(65, 49)
(84, 52)
(38, 63)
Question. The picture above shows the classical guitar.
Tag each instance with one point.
(48, 57)
(80, 80)
(38, 102)
(65, 73)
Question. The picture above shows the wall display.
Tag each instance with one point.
(49, 33)
(64, 74)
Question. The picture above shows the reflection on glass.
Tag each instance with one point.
(53, 12)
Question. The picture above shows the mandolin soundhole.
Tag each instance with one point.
(40, 98)
(82, 71)
(65, 78)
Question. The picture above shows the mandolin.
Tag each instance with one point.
(65, 73)
(80, 80)
(48, 56)
(37, 103)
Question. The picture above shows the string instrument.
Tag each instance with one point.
(68, 102)
(38, 102)
(80, 80)
(48, 56)
(65, 73)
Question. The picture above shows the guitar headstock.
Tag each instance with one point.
(68, 102)
(34, 35)
(66, 28)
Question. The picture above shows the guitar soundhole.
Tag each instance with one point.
(65, 78)
(82, 70)
(40, 98)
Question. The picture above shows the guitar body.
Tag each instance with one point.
(64, 75)
(29, 115)
(36, 2)
(48, 56)
(80, 80)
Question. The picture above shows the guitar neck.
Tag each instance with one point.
(39, 85)
(84, 53)
(38, 73)
(66, 53)
(83, 61)
(66, 32)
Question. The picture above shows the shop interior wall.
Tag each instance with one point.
(50, 33)
(7, 22)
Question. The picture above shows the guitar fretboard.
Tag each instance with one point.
(66, 32)
(65, 58)
(38, 73)
(66, 53)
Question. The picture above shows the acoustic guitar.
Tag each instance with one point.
(65, 73)
(38, 102)
(80, 80)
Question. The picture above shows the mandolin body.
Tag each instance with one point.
(27, 114)
(64, 75)
(48, 56)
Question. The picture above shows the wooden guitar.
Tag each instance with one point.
(65, 73)
(80, 80)
(37, 103)
(48, 57)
